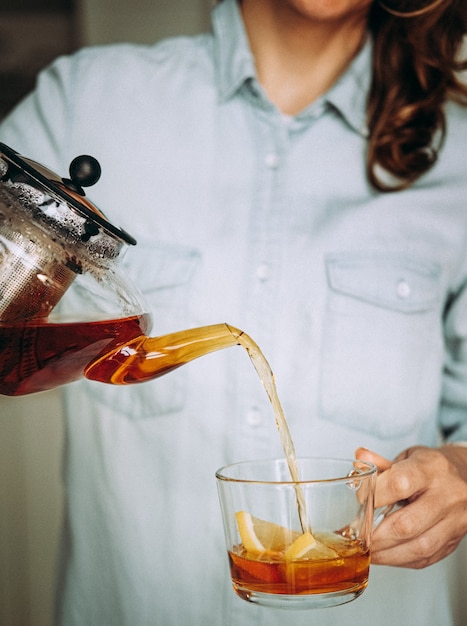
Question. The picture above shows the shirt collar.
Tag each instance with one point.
(349, 95)
(233, 58)
(235, 65)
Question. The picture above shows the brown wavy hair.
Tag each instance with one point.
(416, 67)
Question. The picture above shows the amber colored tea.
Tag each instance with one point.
(39, 355)
(271, 573)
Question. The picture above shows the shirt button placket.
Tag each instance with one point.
(258, 430)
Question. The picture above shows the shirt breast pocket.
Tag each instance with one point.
(163, 274)
(382, 343)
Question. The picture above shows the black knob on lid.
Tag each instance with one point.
(84, 172)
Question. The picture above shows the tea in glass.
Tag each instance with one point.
(277, 562)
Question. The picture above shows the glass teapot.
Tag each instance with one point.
(53, 238)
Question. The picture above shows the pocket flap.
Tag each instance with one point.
(392, 281)
(153, 266)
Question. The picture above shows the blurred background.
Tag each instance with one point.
(32, 33)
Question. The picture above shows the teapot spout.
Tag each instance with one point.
(145, 358)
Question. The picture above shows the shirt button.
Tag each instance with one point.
(263, 272)
(272, 160)
(403, 289)
(254, 417)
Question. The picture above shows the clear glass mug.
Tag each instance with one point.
(299, 544)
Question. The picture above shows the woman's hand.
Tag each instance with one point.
(433, 482)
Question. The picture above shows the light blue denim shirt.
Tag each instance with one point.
(244, 215)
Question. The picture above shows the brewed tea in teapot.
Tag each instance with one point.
(52, 237)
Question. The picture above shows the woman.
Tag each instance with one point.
(298, 172)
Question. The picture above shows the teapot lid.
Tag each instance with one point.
(84, 172)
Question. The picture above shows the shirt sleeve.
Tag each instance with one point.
(453, 409)
(37, 126)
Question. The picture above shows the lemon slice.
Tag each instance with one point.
(308, 547)
(250, 540)
(300, 547)
(258, 535)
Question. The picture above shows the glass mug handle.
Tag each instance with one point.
(381, 512)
